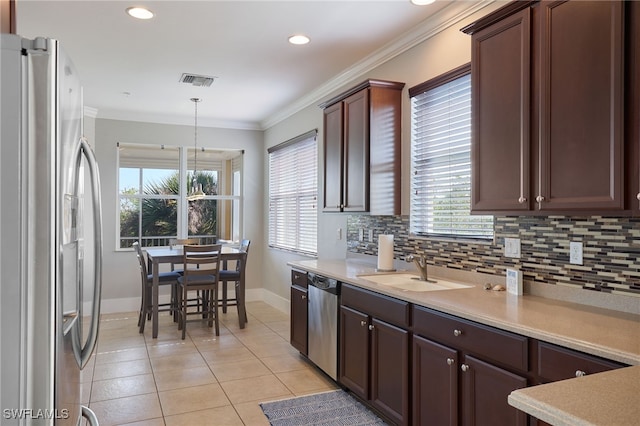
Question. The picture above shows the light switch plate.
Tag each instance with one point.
(360, 234)
(370, 235)
(575, 252)
(512, 247)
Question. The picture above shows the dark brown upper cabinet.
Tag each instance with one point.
(362, 149)
(548, 113)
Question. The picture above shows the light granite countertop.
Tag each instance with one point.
(609, 398)
(602, 332)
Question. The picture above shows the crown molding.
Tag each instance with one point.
(440, 21)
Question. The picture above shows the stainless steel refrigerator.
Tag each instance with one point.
(50, 237)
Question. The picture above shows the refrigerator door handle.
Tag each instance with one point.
(91, 417)
(83, 351)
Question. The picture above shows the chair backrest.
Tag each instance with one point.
(244, 246)
(142, 263)
(201, 260)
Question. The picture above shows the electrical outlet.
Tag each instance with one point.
(339, 234)
(370, 235)
(575, 252)
(360, 234)
(512, 247)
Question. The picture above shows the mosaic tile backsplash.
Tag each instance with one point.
(611, 249)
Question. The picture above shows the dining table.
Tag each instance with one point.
(173, 255)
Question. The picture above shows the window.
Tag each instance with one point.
(152, 183)
(293, 194)
(441, 159)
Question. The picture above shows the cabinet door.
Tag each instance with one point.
(299, 308)
(500, 148)
(581, 106)
(355, 194)
(354, 351)
(390, 370)
(435, 383)
(633, 100)
(485, 389)
(333, 157)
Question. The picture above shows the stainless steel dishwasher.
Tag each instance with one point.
(323, 323)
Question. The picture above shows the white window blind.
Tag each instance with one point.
(441, 161)
(293, 194)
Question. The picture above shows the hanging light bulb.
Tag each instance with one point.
(196, 192)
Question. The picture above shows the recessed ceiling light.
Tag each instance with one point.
(298, 39)
(422, 2)
(140, 12)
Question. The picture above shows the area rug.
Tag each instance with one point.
(327, 408)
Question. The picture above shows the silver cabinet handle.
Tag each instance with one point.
(522, 200)
(580, 373)
(371, 327)
(539, 199)
(363, 323)
(450, 361)
(465, 367)
(303, 297)
(638, 196)
(457, 332)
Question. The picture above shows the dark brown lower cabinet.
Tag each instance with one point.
(299, 327)
(485, 389)
(374, 363)
(435, 383)
(446, 390)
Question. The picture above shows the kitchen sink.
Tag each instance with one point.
(412, 282)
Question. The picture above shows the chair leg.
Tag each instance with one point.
(215, 309)
(224, 297)
(183, 315)
(240, 305)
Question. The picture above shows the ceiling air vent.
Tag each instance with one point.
(197, 80)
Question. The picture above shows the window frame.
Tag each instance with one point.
(423, 227)
(182, 215)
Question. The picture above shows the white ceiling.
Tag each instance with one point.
(261, 78)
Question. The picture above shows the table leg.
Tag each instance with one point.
(154, 299)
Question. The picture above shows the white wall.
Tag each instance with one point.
(121, 287)
(268, 273)
(442, 52)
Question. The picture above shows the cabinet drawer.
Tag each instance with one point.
(486, 342)
(299, 278)
(557, 363)
(377, 305)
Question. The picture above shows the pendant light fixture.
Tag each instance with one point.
(196, 188)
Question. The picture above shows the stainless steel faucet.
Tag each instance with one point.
(421, 263)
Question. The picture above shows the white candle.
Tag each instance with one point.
(385, 252)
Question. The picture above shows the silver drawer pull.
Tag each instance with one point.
(522, 200)
(450, 361)
(457, 333)
(580, 373)
(465, 367)
(371, 327)
(363, 323)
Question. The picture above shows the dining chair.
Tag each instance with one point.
(181, 242)
(201, 265)
(233, 275)
(146, 280)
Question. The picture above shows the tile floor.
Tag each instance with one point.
(134, 379)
